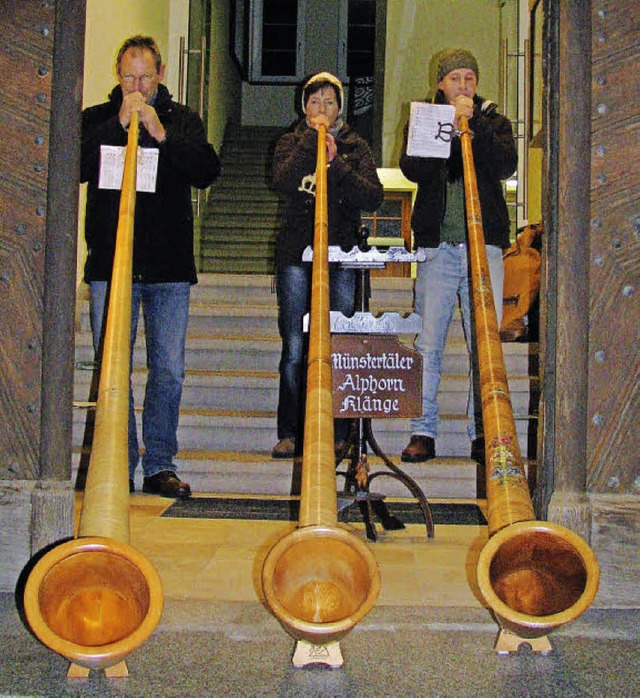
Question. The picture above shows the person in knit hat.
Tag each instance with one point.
(454, 59)
(319, 81)
(352, 186)
(439, 227)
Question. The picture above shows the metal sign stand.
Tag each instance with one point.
(357, 475)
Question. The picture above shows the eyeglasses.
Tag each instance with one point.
(142, 79)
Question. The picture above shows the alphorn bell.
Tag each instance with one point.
(534, 575)
(320, 580)
(95, 598)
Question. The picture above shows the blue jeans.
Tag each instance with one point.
(293, 286)
(165, 308)
(441, 278)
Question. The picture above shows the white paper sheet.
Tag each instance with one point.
(112, 168)
(430, 130)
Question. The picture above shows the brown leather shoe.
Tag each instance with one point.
(285, 448)
(419, 449)
(167, 484)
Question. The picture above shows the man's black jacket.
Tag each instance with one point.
(163, 232)
(495, 158)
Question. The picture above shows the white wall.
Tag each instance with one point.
(108, 24)
(178, 26)
(224, 78)
(268, 105)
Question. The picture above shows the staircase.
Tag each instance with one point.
(242, 215)
(228, 412)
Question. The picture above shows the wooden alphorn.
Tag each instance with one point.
(534, 575)
(95, 598)
(320, 579)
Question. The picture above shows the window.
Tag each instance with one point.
(361, 38)
(277, 41)
(357, 39)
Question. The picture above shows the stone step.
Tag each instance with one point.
(210, 319)
(224, 353)
(232, 196)
(226, 264)
(228, 351)
(236, 353)
(233, 289)
(256, 473)
(241, 200)
(254, 192)
(252, 185)
(215, 242)
(250, 207)
(247, 390)
(228, 423)
(235, 169)
(242, 432)
(243, 150)
(248, 321)
(229, 198)
(247, 150)
(224, 242)
(255, 228)
(218, 247)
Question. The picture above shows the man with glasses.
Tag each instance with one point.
(173, 140)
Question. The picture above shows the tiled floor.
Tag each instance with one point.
(221, 560)
(428, 634)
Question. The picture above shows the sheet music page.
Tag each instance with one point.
(430, 130)
(112, 168)
(147, 169)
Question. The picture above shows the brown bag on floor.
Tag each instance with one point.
(522, 262)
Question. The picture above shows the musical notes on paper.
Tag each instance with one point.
(112, 168)
(430, 130)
